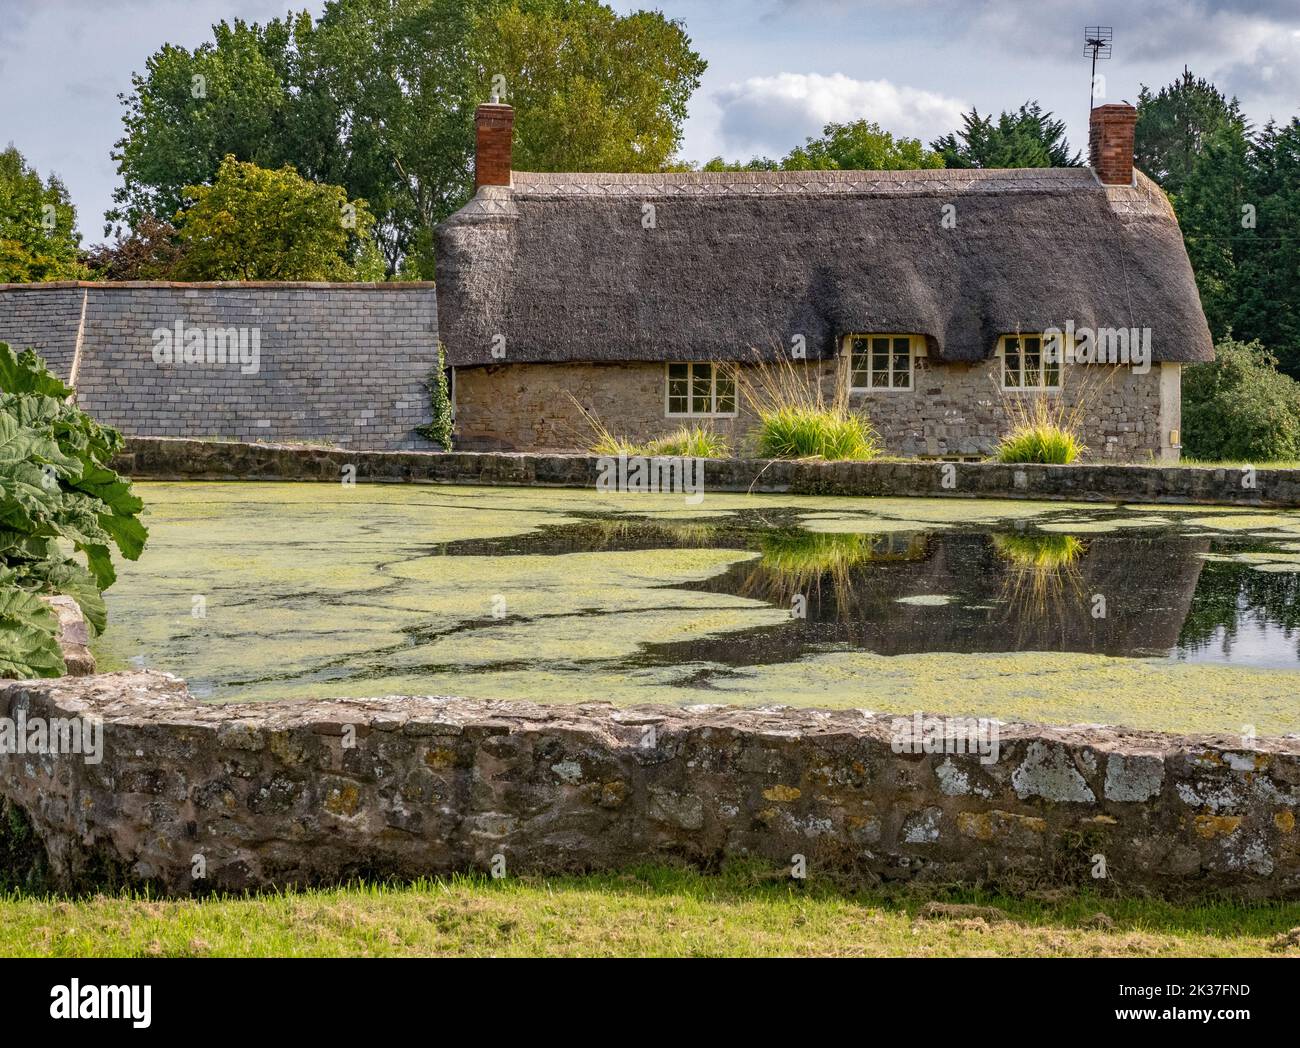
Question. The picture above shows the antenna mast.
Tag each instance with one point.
(1096, 42)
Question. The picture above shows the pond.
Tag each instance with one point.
(1161, 617)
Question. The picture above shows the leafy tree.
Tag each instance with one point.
(1175, 124)
(257, 224)
(595, 91)
(1209, 208)
(860, 146)
(38, 237)
(378, 96)
(236, 95)
(1240, 407)
(1238, 202)
(1026, 138)
(758, 163)
(151, 251)
(393, 82)
(57, 493)
(1267, 292)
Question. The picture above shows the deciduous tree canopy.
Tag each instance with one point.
(257, 224)
(378, 96)
(38, 237)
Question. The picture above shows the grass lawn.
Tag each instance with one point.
(1238, 463)
(653, 911)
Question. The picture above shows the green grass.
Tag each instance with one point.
(1238, 463)
(795, 431)
(651, 911)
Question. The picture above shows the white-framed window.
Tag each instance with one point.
(1027, 364)
(700, 387)
(882, 363)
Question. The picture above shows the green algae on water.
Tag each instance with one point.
(267, 591)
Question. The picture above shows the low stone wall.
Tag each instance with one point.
(189, 797)
(167, 459)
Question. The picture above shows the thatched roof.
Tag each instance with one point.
(562, 267)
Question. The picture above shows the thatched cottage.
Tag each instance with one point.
(932, 299)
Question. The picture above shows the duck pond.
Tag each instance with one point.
(1172, 618)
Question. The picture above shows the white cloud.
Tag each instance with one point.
(772, 114)
(1267, 73)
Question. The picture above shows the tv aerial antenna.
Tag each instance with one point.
(1096, 42)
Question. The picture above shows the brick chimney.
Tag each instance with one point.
(494, 131)
(1110, 143)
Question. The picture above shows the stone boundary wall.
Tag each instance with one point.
(218, 460)
(279, 794)
(340, 364)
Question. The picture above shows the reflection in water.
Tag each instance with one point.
(314, 592)
(1043, 579)
(799, 564)
(1131, 594)
(1007, 591)
(1244, 616)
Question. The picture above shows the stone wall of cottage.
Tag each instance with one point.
(952, 409)
(340, 364)
(960, 409)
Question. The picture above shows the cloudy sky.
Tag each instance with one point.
(778, 69)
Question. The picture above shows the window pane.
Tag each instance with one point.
(1010, 368)
(858, 355)
(860, 379)
(1052, 375)
(903, 345)
(880, 378)
(701, 389)
(1032, 373)
(880, 345)
(726, 392)
(902, 380)
(679, 385)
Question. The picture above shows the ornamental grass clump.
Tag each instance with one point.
(689, 442)
(797, 420)
(684, 442)
(1043, 433)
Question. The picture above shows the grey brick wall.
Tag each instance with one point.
(341, 364)
(44, 320)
